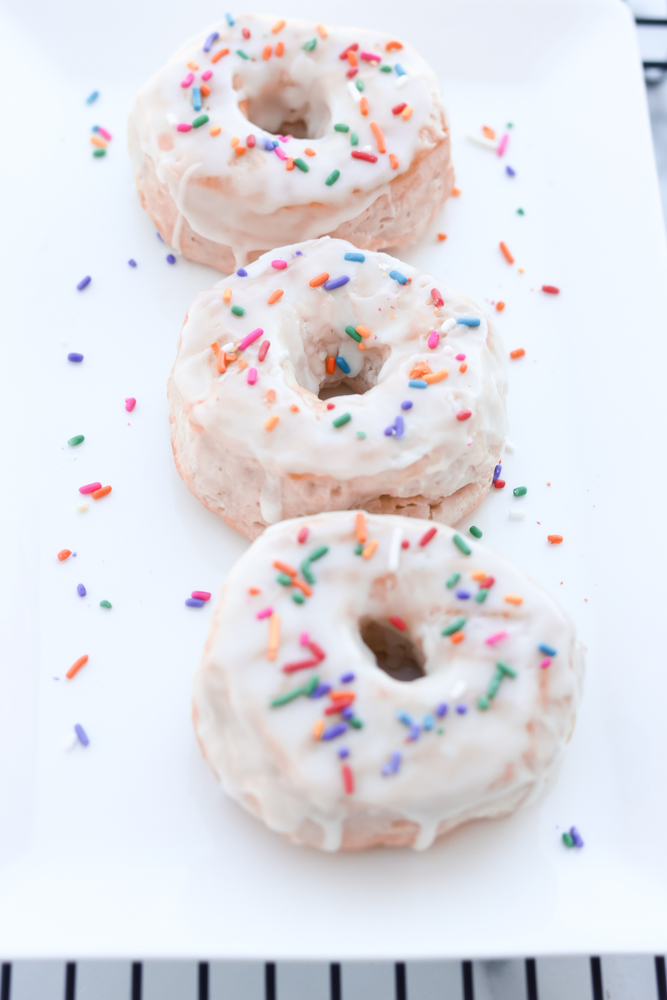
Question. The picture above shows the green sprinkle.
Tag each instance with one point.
(360, 86)
(475, 531)
(298, 598)
(311, 685)
(77, 439)
(99, 152)
(455, 626)
(301, 164)
(351, 332)
(385, 69)
(333, 177)
(241, 53)
(520, 211)
(494, 685)
(358, 549)
(356, 723)
(309, 46)
(354, 139)
(305, 569)
(481, 595)
(440, 731)
(238, 310)
(483, 703)
(567, 839)
(505, 669)
(105, 604)
(510, 125)
(200, 121)
(520, 491)
(462, 545)
(305, 689)
(343, 419)
(361, 435)
(284, 579)
(318, 553)
(453, 580)
(341, 128)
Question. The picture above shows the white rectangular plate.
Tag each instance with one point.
(128, 847)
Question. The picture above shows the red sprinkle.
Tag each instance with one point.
(499, 484)
(263, 349)
(398, 108)
(331, 406)
(550, 289)
(64, 554)
(437, 298)
(352, 71)
(426, 538)
(339, 705)
(398, 622)
(350, 48)
(245, 32)
(487, 583)
(316, 650)
(348, 779)
(303, 534)
(405, 544)
(359, 154)
(201, 595)
(291, 668)
(465, 415)
(250, 142)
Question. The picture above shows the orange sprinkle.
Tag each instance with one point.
(303, 586)
(215, 347)
(500, 306)
(456, 192)
(294, 408)
(280, 48)
(393, 45)
(331, 366)
(266, 51)
(242, 364)
(342, 695)
(254, 591)
(456, 638)
(193, 65)
(271, 422)
(513, 599)
(436, 376)
(235, 141)
(554, 539)
(274, 296)
(318, 729)
(361, 346)
(363, 106)
(96, 141)
(369, 548)
(406, 112)
(271, 395)
(377, 132)
(488, 132)
(506, 254)
(226, 295)
(74, 669)
(239, 150)
(219, 54)
(221, 362)
(352, 58)
(442, 236)
(463, 367)
(363, 331)
(479, 574)
(98, 494)
(274, 636)
(64, 554)
(309, 152)
(318, 280)
(361, 528)
(284, 568)
(229, 358)
(278, 26)
(289, 163)
(393, 159)
(322, 31)
(419, 369)
(205, 91)
(216, 130)
(519, 353)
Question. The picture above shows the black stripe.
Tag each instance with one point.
(270, 981)
(401, 989)
(468, 985)
(334, 982)
(70, 981)
(531, 980)
(656, 22)
(596, 979)
(6, 981)
(655, 65)
(136, 980)
(660, 977)
(203, 981)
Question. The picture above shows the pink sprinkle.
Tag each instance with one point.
(250, 141)
(279, 265)
(280, 152)
(370, 57)
(250, 338)
(207, 75)
(265, 613)
(183, 127)
(252, 376)
(496, 637)
(304, 639)
(433, 339)
(201, 595)
(502, 145)
(130, 403)
(460, 357)
(464, 415)
(285, 138)
(263, 350)
(103, 132)
(90, 488)
(302, 536)
(546, 662)
(188, 80)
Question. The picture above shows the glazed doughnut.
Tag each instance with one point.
(376, 679)
(262, 132)
(261, 430)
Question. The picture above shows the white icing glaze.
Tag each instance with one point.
(218, 421)
(236, 200)
(484, 763)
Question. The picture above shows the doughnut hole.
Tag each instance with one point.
(339, 384)
(394, 651)
(289, 103)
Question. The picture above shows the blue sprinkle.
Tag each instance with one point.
(336, 282)
(546, 649)
(95, 128)
(348, 712)
(462, 709)
(399, 69)
(92, 97)
(388, 431)
(196, 98)
(343, 753)
(464, 321)
(463, 595)
(441, 710)
(81, 590)
(242, 273)
(83, 283)
(274, 143)
(75, 357)
(397, 276)
(209, 41)
(417, 383)
(415, 730)
(393, 765)
(81, 733)
(268, 145)
(406, 404)
(576, 837)
(428, 722)
(399, 426)
(496, 472)
(194, 602)
(355, 256)
(132, 262)
(170, 258)
(320, 691)
(403, 717)
(510, 171)
(346, 678)
(342, 363)
(334, 731)
(230, 20)
(159, 236)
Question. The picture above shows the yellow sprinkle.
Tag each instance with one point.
(369, 548)
(513, 599)
(274, 636)
(271, 422)
(216, 130)
(318, 729)
(322, 31)
(406, 112)
(363, 331)
(235, 141)
(361, 528)
(436, 376)
(226, 295)
(278, 26)
(193, 65)
(479, 574)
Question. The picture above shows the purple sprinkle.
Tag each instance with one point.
(242, 273)
(320, 691)
(576, 837)
(462, 709)
(343, 753)
(509, 170)
(209, 41)
(299, 253)
(268, 145)
(406, 404)
(346, 678)
(415, 730)
(84, 283)
(81, 733)
(463, 595)
(171, 259)
(347, 713)
(159, 237)
(334, 731)
(195, 602)
(132, 262)
(336, 282)
(496, 472)
(388, 431)
(75, 357)
(399, 426)
(81, 590)
(393, 765)
(441, 710)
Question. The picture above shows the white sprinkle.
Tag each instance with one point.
(449, 324)
(82, 508)
(401, 81)
(172, 119)
(517, 515)
(479, 140)
(367, 149)
(509, 448)
(228, 348)
(448, 350)
(395, 549)
(459, 689)
(322, 355)
(352, 90)
(71, 742)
